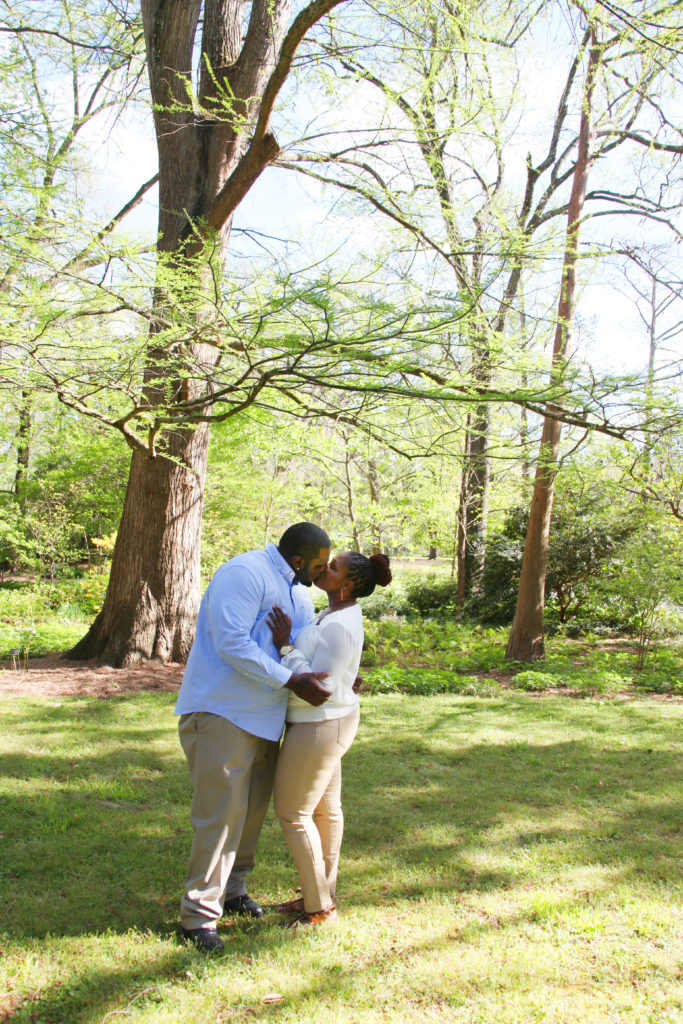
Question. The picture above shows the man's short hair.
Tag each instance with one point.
(304, 539)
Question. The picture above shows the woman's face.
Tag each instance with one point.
(336, 576)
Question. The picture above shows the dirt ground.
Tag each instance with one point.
(55, 677)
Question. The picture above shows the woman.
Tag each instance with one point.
(307, 792)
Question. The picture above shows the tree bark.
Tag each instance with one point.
(348, 479)
(461, 524)
(154, 587)
(476, 497)
(526, 640)
(23, 442)
(375, 505)
(211, 150)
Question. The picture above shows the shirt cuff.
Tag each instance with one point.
(282, 675)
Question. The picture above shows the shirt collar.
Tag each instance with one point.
(282, 566)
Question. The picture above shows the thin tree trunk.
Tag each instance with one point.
(23, 442)
(526, 640)
(477, 499)
(375, 504)
(523, 418)
(461, 528)
(649, 388)
(474, 498)
(350, 498)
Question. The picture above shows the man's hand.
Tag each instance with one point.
(307, 685)
(357, 683)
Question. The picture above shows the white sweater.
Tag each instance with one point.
(333, 643)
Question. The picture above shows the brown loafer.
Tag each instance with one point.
(328, 916)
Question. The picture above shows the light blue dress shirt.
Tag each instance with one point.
(234, 669)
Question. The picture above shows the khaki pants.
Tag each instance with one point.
(308, 802)
(232, 775)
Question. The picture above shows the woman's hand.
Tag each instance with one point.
(280, 625)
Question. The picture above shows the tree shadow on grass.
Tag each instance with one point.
(439, 818)
(98, 839)
(95, 812)
(87, 995)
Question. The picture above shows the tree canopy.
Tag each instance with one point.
(433, 150)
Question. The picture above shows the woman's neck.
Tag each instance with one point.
(335, 603)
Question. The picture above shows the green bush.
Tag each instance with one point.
(427, 682)
(429, 595)
(43, 619)
(22, 602)
(390, 602)
(585, 539)
(534, 681)
(39, 639)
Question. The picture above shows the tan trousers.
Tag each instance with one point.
(232, 775)
(308, 802)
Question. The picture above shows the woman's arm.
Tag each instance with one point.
(280, 626)
(335, 652)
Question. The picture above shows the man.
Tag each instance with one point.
(232, 705)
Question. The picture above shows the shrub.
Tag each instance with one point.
(533, 681)
(429, 595)
(427, 682)
(583, 542)
(386, 602)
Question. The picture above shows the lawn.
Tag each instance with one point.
(512, 858)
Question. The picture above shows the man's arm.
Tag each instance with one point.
(234, 606)
(310, 687)
(336, 650)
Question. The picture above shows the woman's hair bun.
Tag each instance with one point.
(380, 564)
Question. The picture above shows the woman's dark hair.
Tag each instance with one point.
(304, 539)
(365, 573)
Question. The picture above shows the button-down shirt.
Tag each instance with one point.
(234, 669)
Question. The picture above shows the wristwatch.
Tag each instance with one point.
(285, 649)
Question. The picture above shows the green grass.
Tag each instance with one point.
(506, 860)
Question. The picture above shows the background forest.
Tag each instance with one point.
(427, 294)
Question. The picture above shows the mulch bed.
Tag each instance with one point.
(54, 676)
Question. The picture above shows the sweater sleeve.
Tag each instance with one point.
(334, 653)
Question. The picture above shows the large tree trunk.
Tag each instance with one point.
(153, 596)
(526, 640)
(211, 150)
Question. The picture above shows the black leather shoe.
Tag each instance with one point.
(203, 938)
(242, 905)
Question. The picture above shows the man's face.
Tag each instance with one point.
(306, 571)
